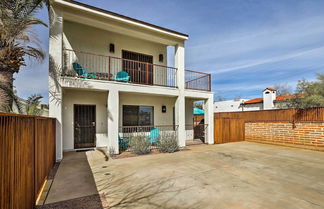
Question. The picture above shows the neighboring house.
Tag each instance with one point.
(269, 101)
(115, 79)
(229, 105)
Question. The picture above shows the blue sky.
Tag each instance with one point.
(247, 45)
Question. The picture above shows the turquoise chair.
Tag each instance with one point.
(122, 143)
(154, 135)
(81, 70)
(122, 76)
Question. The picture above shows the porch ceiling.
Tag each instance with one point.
(98, 19)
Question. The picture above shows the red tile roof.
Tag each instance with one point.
(271, 89)
(260, 100)
(252, 101)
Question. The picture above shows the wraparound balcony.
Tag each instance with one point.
(90, 65)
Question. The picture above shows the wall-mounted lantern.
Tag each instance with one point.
(160, 57)
(163, 108)
(112, 48)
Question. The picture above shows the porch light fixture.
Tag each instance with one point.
(160, 57)
(112, 48)
(163, 108)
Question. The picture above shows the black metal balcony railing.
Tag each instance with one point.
(197, 80)
(104, 67)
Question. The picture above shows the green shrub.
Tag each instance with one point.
(168, 143)
(139, 145)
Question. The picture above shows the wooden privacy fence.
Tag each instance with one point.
(271, 125)
(228, 130)
(27, 155)
(314, 114)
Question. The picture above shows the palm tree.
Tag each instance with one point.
(33, 105)
(17, 41)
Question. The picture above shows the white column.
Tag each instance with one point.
(179, 61)
(55, 90)
(209, 119)
(113, 122)
(180, 120)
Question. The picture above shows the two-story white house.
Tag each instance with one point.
(109, 76)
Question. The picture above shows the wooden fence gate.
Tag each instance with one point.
(27, 154)
(228, 130)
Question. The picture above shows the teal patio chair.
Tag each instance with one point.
(154, 135)
(81, 71)
(122, 143)
(122, 76)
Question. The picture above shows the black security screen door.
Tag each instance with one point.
(138, 66)
(84, 126)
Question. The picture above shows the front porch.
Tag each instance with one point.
(110, 118)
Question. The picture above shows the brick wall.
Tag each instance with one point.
(305, 134)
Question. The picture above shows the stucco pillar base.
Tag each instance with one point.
(209, 119)
(113, 115)
(180, 120)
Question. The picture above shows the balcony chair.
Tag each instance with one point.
(122, 76)
(154, 135)
(81, 71)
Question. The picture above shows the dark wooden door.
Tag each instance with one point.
(140, 71)
(84, 126)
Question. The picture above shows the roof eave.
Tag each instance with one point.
(121, 18)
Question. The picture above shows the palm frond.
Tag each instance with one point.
(32, 105)
(38, 54)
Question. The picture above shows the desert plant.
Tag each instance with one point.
(168, 142)
(139, 145)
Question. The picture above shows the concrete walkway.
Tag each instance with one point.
(233, 175)
(73, 185)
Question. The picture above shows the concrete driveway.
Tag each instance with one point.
(233, 175)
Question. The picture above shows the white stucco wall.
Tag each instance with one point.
(228, 106)
(91, 39)
(251, 107)
(76, 37)
(149, 100)
(269, 97)
(189, 119)
(71, 97)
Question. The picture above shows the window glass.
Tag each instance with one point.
(138, 115)
(145, 116)
(130, 115)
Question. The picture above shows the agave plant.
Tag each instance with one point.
(17, 42)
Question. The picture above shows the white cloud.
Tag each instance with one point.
(253, 63)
